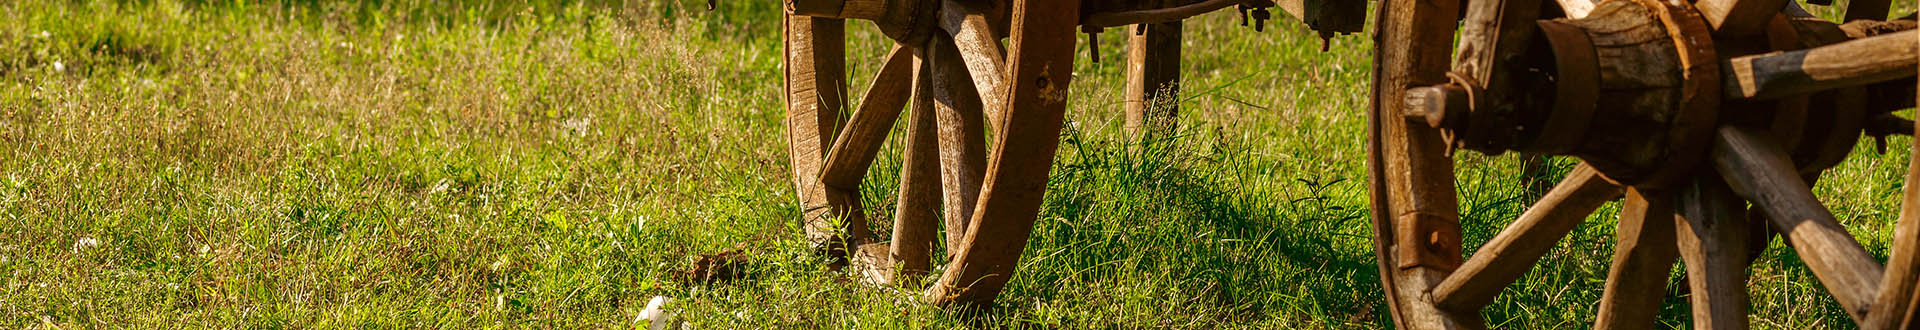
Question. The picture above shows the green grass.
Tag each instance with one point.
(539, 164)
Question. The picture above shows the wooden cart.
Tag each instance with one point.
(949, 66)
(1634, 88)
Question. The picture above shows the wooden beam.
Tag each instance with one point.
(1153, 79)
(1515, 250)
(1712, 232)
(1161, 15)
(1643, 255)
(1847, 64)
(963, 149)
(1758, 171)
(859, 142)
(917, 212)
(1738, 17)
(1043, 49)
(986, 60)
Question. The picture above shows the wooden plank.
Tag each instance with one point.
(1043, 49)
(1157, 15)
(1153, 79)
(1492, 32)
(1738, 17)
(1643, 255)
(815, 92)
(963, 148)
(1758, 171)
(986, 59)
(1712, 236)
(1847, 64)
(917, 211)
(859, 142)
(1517, 247)
(1414, 208)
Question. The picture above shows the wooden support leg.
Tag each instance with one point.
(1153, 79)
(1712, 236)
(1642, 258)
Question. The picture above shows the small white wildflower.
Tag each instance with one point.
(204, 249)
(44, 34)
(58, 67)
(656, 315)
(84, 243)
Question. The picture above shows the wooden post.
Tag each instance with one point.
(1153, 79)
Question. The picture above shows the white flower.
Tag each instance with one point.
(57, 67)
(656, 315)
(84, 243)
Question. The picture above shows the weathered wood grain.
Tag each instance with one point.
(986, 59)
(1711, 231)
(815, 92)
(1847, 64)
(1493, 32)
(963, 148)
(1416, 223)
(1153, 79)
(1643, 255)
(916, 213)
(1738, 17)
(1041, 70)
(1758, 171)
(1517, 247)
(852, 153)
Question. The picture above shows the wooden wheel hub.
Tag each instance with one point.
(1633, 89)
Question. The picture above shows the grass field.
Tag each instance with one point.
(550, 165)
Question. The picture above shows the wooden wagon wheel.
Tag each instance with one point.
(948, 63)
(1686, 171)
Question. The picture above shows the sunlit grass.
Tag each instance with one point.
(546, 164)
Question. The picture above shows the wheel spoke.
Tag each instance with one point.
(1512, 252)
(1897, 290)
(1758, 171)
(816, 55)
(963, 149)
(1711, 232)
(918, 207)
(853, 152)
(1023, 151)
(983, 54)
(1642, 258)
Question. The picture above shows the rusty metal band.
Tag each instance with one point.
(1691, 131)
(1577, 90)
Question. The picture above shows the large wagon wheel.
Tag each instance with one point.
(949, 64)
(1644, 116)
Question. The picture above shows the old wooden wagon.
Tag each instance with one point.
(1689, 110)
